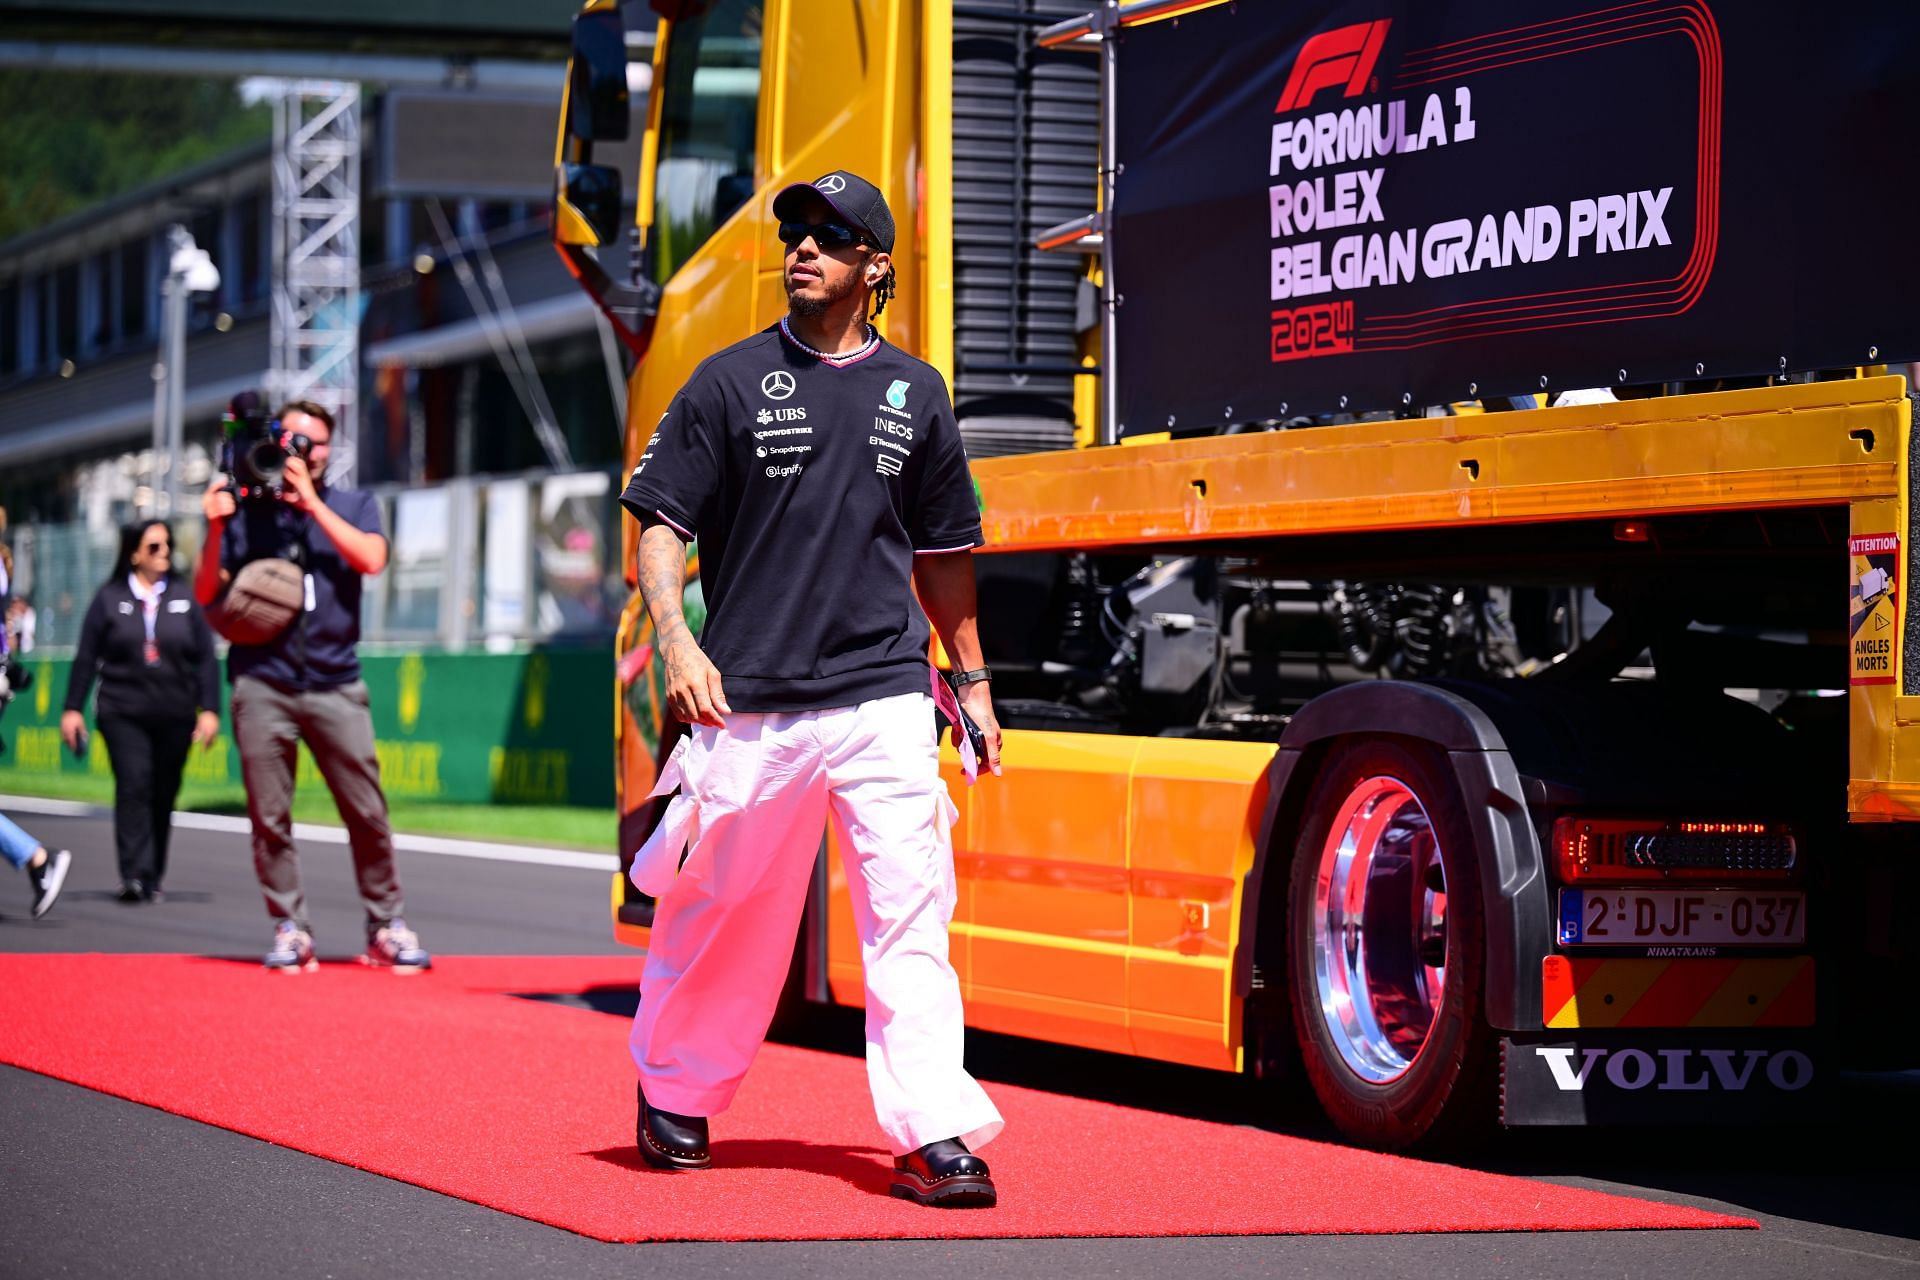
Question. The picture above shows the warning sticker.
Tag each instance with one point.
(1873, 604)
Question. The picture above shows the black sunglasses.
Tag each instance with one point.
(828, 235)
(158, 546)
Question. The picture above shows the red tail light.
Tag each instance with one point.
(1586, 850)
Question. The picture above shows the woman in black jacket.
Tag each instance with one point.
(150, 645)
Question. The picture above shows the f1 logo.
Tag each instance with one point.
(1342, 56)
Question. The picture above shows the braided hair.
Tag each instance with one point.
(884, 291)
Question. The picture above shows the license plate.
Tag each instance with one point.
(1680, 917)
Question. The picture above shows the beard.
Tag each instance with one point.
(833, 293)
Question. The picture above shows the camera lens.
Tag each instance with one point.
(267, 461)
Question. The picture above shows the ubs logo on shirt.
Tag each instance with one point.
(796, 414)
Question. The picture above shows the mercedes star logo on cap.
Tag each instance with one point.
(833, 184)
(777, 385)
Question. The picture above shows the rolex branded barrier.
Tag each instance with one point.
(526, 727)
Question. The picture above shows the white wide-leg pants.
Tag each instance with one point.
(752, 803)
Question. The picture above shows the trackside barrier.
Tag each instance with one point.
(527, 727)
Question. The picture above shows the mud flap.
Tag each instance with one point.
(1656, 1077)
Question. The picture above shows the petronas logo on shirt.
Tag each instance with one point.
(897, 394)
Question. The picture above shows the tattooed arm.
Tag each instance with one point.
(694, 694)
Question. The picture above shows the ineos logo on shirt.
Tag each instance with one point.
(777, 385)
(831, 185)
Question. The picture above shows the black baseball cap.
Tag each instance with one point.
(857, 201)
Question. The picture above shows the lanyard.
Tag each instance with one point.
(150, 612)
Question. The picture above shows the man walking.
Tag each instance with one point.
(821, 469)
(305, 686)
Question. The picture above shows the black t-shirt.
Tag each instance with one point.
(319, 651)
(810, 485)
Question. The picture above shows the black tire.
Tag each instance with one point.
(1445, 1094)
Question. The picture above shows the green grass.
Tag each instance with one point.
(564, 826)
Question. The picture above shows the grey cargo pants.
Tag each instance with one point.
(268, 726)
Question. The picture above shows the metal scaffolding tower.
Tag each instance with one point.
(316, 255)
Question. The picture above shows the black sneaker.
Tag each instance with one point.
(132, 893)
(47, 879)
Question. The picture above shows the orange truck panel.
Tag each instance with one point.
(1775, 446)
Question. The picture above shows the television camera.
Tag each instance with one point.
(255, 449)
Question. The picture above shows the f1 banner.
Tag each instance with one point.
(1360, 205)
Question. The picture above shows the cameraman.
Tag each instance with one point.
(305, 685)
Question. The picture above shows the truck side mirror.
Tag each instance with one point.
(592, 194)
(598, 108)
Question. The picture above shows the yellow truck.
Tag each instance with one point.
(1447, 610)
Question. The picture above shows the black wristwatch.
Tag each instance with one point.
(961, 679)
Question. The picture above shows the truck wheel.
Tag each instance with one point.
(1387, 950)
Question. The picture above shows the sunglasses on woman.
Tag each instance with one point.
(158, 546)
(828, 235)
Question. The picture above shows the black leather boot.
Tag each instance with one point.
(944, 1174)
(668, 1141)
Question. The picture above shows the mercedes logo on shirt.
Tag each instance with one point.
(777, 385)
(831, 185)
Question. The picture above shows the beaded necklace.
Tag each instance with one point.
(873, 336)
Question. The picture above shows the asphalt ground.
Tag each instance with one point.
(94, 1185)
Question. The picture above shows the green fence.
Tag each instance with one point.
(512, 728)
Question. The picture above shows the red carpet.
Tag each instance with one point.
(444, 1082)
